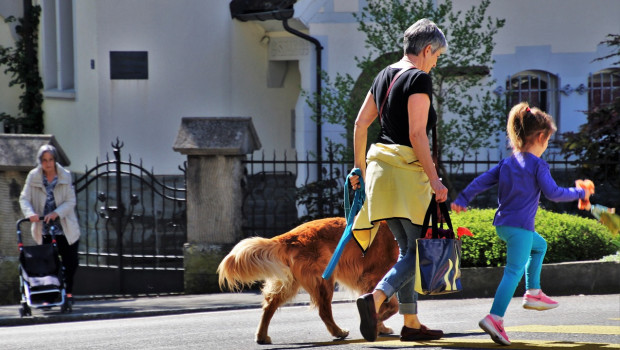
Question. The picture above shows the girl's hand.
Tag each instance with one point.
(457, 208)
(441, 192)
(588, 187)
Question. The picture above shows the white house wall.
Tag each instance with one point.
(203, 63)
(200, 63)
(270, 107)
(557, 36)
(188, 73)
(75, 122)
(560, 37)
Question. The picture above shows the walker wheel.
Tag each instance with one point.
(25, 310)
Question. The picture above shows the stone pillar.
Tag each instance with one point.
(18, 154)
(215, 149)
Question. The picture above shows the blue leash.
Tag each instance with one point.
(349, 212)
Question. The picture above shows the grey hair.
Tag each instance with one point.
(47, 148)
(421, 34)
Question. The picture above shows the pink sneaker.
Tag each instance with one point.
(495, 329)
(539, 302)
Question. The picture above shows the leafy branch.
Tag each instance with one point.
(23, 68)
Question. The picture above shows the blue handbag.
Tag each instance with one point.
(438, 259)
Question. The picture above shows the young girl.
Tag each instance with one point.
(520, 178)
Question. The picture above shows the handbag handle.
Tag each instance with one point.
(431, 213)
(400, 72)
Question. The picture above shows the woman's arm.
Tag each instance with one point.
(25, 200)
(366, 115)
(418, 106)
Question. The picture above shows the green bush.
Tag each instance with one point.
(569, 238)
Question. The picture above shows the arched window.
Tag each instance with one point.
(538, 88)
(603, 87)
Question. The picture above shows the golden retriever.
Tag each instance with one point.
(298, 258)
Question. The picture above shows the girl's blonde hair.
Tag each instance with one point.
(525, 123)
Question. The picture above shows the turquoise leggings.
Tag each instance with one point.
(525, 251)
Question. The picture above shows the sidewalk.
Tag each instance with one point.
(111, 308)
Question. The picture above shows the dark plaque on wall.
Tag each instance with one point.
(129, 65)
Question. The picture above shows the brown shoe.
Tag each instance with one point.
(368, 317)
(412, 334)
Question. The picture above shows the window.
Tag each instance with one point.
(538, 88)
(603, 87)
(58, 61)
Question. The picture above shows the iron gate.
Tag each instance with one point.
(133, 229)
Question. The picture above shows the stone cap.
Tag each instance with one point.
(216, 136)
(19, 151)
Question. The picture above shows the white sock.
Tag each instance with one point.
(497, 318)
(533, 291)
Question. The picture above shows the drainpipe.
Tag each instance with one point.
(319, 136)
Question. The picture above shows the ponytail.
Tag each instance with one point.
(524, 123)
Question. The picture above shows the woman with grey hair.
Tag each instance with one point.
(399, 173)
(48, 192)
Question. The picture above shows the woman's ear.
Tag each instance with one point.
(428, 50)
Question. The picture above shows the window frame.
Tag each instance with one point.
(58, 49)
(549, 95)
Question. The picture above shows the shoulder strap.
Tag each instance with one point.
(400, 72)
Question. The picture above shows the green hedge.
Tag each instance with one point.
(569, 238)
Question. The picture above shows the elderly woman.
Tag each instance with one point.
(48, 192)
(399, 173)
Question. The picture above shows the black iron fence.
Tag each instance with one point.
(281, 192)
(131, 220)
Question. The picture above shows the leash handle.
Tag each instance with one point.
(350, 212)
(359, 196)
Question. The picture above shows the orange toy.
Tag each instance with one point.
(587, 185)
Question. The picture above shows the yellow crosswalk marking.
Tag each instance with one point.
(576, 329)
(468, 343)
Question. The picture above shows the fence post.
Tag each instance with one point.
(215, 149)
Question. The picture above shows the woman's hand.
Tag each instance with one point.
(355, 182)
(50, 217)
(457, 208)
(441, 192)
(34, 218)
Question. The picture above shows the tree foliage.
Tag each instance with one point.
(597, 143)
(613, 41)
(460, 78)
(22, 66)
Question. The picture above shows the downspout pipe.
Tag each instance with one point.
(319, 133)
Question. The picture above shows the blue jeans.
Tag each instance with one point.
(401, 277)
(525, 251)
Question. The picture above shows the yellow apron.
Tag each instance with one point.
(396, 187)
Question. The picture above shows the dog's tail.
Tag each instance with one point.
(252, 259)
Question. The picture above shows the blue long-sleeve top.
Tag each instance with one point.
(520, 179)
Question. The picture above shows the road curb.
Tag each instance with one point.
(560, 279)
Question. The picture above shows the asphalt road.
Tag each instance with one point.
(581, 323)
